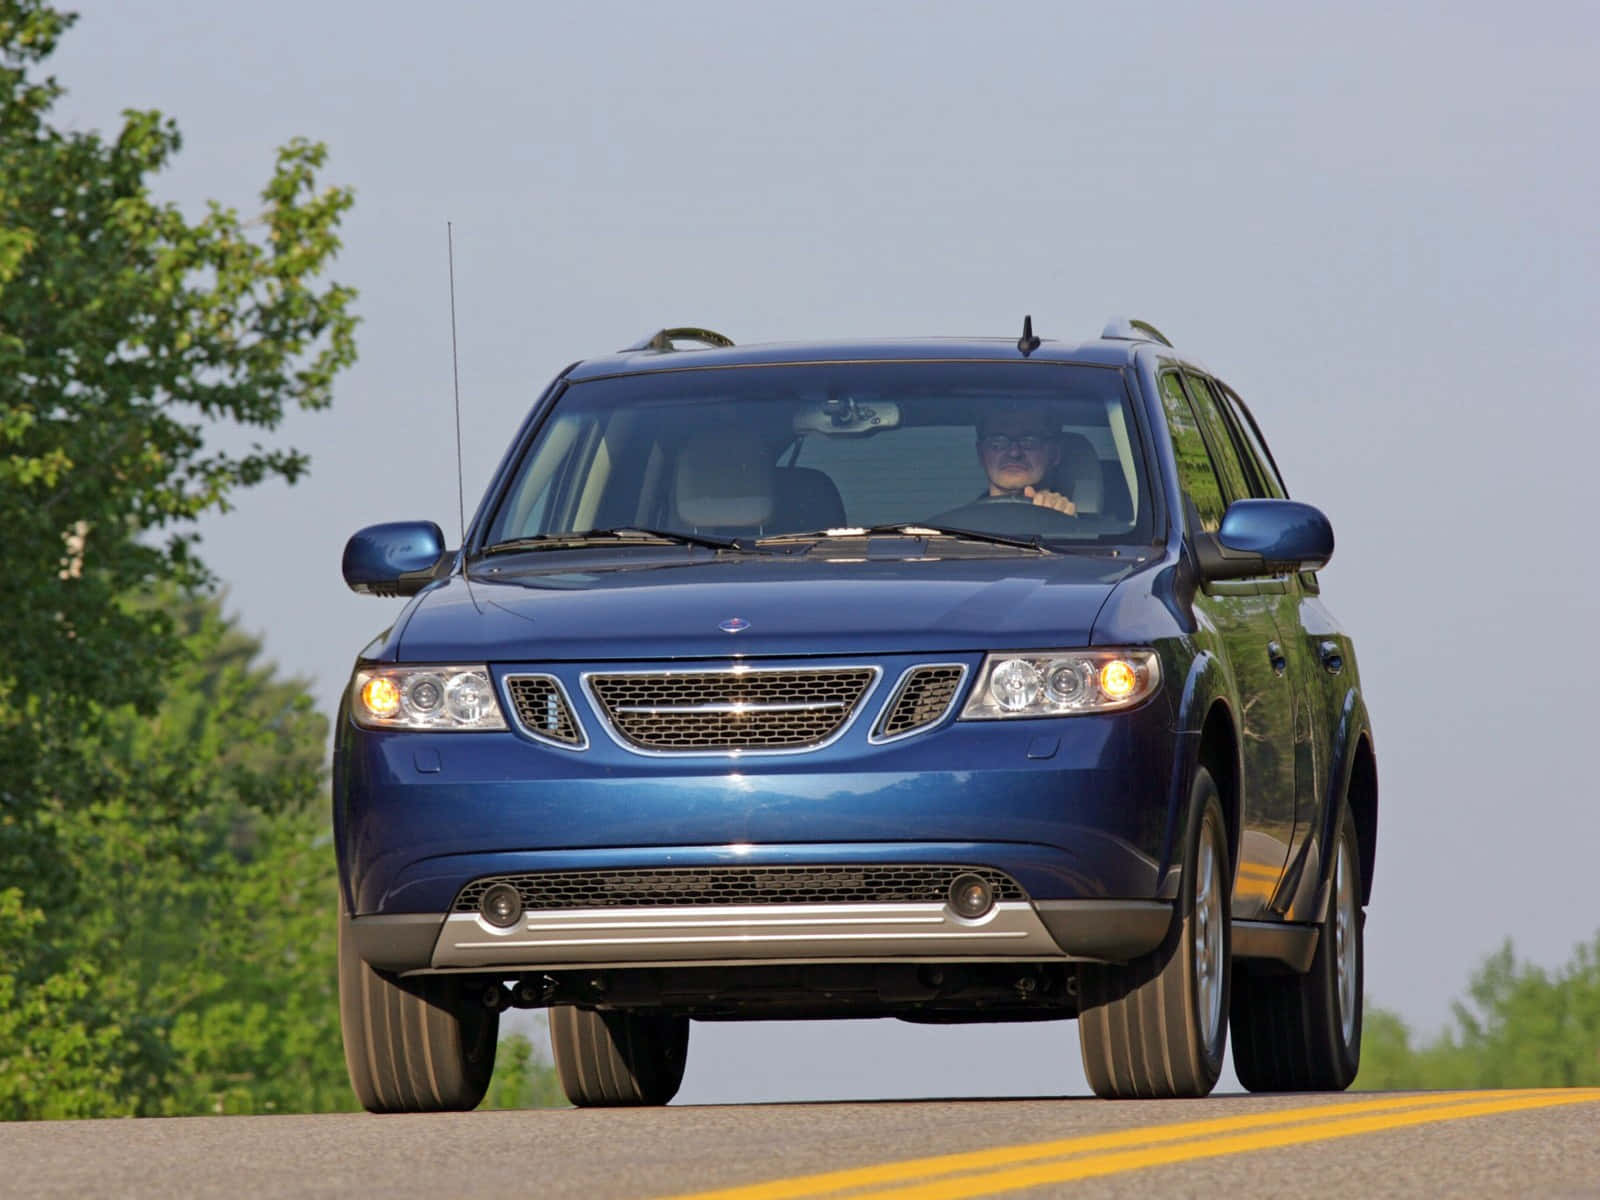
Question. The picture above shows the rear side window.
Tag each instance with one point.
(1257, 458)
(1224, 453)
(1196, 475)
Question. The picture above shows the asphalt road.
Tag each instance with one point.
(1424, 1144)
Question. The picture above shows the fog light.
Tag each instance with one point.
(501, 905)
(971, 896)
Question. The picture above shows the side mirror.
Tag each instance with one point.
(1265, 537)
(396, 559)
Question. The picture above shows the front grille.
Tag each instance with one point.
(700, 887)
(710, 712)
(542, 710)
(922, 699)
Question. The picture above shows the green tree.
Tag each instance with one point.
(1518, 1026)
(127, 334)
(132, 338)
(183, 959)
(186, 962)
(522, 1079)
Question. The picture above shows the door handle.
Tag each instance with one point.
(1275, 656)
(1332, 657)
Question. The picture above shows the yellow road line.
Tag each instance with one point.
(880, 1174)
(994, 1182)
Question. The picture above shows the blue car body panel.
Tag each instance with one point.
(670, 606)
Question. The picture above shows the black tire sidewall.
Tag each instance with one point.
(440, 1017)
(1206, 821)
(1346, 1055)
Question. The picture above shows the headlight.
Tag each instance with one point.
(442, 698)
(1061, 683)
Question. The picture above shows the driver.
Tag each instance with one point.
(1018, 447)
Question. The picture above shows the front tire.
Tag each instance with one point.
(1156, 1028)
(425, 1044)
(618, 1059)
(1302, 1033)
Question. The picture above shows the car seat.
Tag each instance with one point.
(804, 499)
(1078, 474)
(723, 483)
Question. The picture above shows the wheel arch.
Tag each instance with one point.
(1211, 739)
(1361, 794)
(1219, 753)
(1353, 783)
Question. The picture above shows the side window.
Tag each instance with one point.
(1257, 458)
(1224, 453)
(1196, 475)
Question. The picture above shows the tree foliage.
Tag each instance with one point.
(128, 333)
(167, 883)
(1518, 1026)
(176, 953)
(522, 1077)
(180, 955)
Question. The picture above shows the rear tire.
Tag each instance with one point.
(1302, 1033)
(424, 1044)
(1156, 1028)
(618, 1059)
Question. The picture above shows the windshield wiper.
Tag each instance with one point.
(621, 535)
(912, 529)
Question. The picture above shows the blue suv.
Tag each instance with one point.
(948, 680)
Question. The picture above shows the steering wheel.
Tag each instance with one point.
(1006, 498)
(1016, 516)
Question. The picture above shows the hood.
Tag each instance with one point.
(788, 608)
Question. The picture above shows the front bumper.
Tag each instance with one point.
(1073, 809)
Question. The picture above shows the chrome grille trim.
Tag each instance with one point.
(732, 886)
(653, 709)
(579, 739)
(861, 680)
(907, 679)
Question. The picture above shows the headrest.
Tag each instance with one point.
(723, 478)
(1080, 473)
(806, 499)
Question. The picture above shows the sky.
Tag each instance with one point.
(1377, 222)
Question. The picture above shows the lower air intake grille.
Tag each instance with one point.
(542, 710)
(711, 886)
(922, 699)
(716, 712)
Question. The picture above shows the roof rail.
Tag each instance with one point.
(662, 339)
(1125, 329)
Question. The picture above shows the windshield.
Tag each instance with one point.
(1032, 450)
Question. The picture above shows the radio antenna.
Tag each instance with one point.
(455, 375)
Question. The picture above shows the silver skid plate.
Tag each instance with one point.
(767, 932)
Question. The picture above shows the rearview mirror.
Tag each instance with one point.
(846, 415)
(396, 559)
(1265, 537)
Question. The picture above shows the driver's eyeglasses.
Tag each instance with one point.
(999, 443)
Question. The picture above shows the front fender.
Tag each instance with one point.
(1207, 685)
